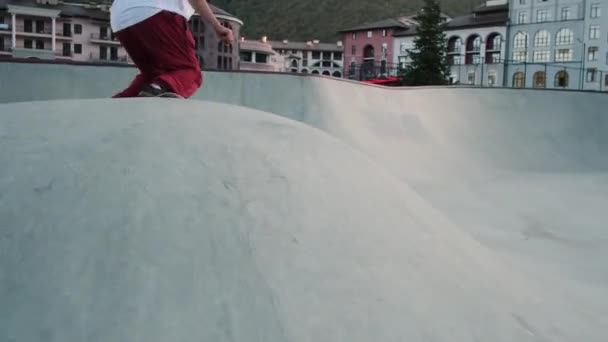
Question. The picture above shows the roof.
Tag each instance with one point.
(491, 16)
(381, 24)
(304, 46)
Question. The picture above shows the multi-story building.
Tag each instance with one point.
(547, 43)
(596, 45)
(52, 29)
(211, 52)
(311, 57)
(475, 42)
(368, 48)
(259, 56)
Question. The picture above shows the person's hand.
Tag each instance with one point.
(225, 34)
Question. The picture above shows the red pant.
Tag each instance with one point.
(162, 47)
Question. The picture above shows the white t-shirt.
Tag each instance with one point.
(125, 13)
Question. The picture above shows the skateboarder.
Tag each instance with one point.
(157, 37)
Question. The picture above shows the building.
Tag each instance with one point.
(368, 48)
(596, 45)
(476, 45)
(54, 30)
(547, 43)
(259, 56)
(311, 57)
(212, 53)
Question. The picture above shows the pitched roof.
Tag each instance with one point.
(380, 24)
(304, 46)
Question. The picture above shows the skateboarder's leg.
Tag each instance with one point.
(134, 88)
(163, 49)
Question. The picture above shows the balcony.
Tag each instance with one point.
(45, 32)
(109, 59)
(104, 39)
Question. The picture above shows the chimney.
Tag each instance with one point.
(339, 43)
(264, 39)
(315, 41)
(285, 41)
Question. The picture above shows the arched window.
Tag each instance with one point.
(494, 42)
(337, 74)
(520, 41)
(454, 45)
(519, 80)
(316, 72)
(562, 79)
(326, 73)
(474, 43)
(540, 79)
(542, 39)
(304, 71)
(564, 37)
(294, 63)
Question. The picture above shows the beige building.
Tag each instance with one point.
(312, 57)
(259, 56)
(55, 30)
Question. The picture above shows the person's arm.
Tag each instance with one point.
(204, 10)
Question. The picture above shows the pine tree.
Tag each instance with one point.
(428, 64)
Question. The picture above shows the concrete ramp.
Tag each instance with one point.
(289, 208)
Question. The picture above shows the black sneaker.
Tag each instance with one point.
(155, 90)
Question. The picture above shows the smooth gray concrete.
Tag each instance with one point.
(427, 214)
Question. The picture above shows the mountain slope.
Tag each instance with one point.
(306, 19)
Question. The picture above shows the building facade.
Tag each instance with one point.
(547, 44)
(211, 52)
(53, 30)
(368, 48)
(596, 45)
(259, 56)
(476, 45)
(311, 57)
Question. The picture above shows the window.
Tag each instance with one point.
(521, 40)
(354, 37)
(114, 53)
(67, 50)
(542, 15)
(103, 52)
(369, 34)
(28, 43)
(474, 43)
(542, 38)
(67, 30)
(566, 13)
(521, 18)
(540, 79)
(39, 26)
(562, 79)
(592, 53)
(337, 56)
(564, 37)
(471, 77)
(261, 58)
(606, 80)
(520, 56)
(40, 44)
(326, 56)
(542, 56)
(454, 45)
(563, 55)
(28, 26)
(316, 55)
(246, 56)
(492, 78)
(77, 29)
(384, 33)
(354, 50)
(591, 75)
(519, 80)
(596, 11)
(594, 32)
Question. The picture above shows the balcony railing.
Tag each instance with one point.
(369, 71)
(104, 37)
(34, 30)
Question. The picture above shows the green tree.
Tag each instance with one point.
(428, 64)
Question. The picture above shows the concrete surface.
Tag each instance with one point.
(428, 214)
